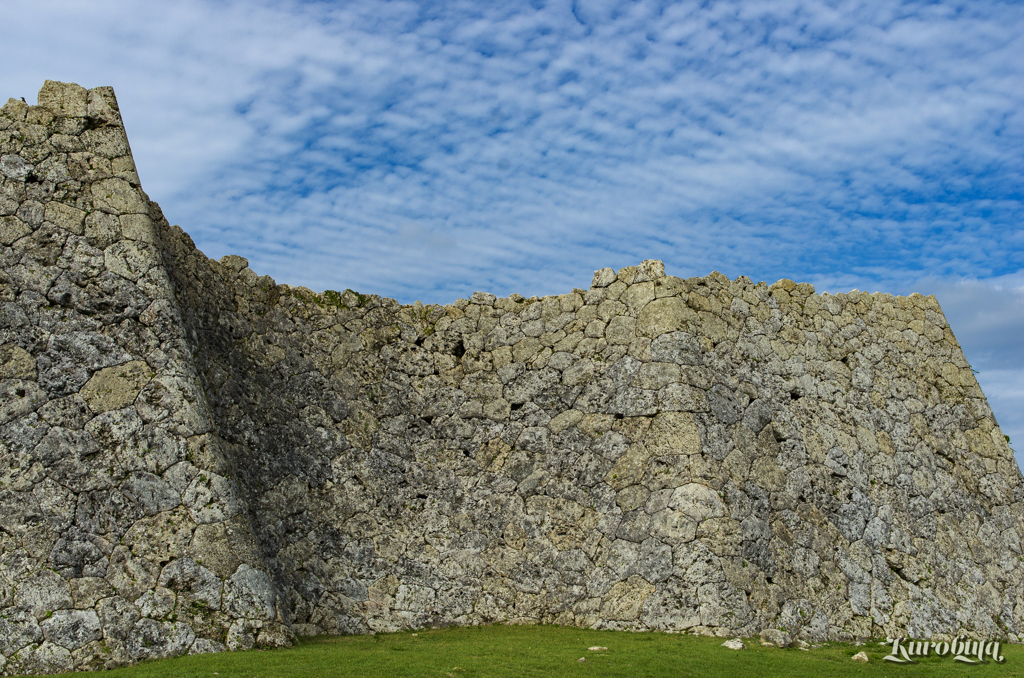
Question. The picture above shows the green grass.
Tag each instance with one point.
(523, 651)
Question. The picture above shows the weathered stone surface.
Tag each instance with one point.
(198, 459)
(71, 629)
(115, 387)
(64, 98)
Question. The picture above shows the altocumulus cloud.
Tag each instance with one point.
(425, 150)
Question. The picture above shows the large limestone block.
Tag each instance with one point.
(64, 99)
(130, 259)
(117, 196)
(43, 658)
(43, 592)
(673, 433)
(663, 315)
(625, 600)
(250, 593)
(115, 387)
(16, 363)
(18, 629)
(697, 501)
(67, 217)
(151, 639)
(18, 398)
(13, 229)
(71, 629)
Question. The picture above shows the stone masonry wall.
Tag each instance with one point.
(195, 458)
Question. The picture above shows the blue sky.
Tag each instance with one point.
(427, 150)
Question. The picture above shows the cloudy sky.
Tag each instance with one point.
(426, 150)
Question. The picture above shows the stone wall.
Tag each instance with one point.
(195, 457)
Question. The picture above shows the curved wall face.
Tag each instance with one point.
(195, 457)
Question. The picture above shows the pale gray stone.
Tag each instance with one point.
(775, 637)
(250, 593)
(15, 167)
(151, 639)
(18, 628)
(43, 592)
(603, 277)
(71, 629)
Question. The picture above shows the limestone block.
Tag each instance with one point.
(71, 629)
(42, 592)
(117, 196)
(656, 375)
(102, 229)
(130, 259)
(624, 601)
(629, 469)
(70, 359)
(131, 575)
(673, 433)
(664, 315)
(110, 143)
(207, 646)
(138, 227)
(697, 501)
(222, 547)
(43, 658)
(15, 167)
(674, 526)
(564, 420)
(414, 598)
(156, 604)
(776, 638)
(603, 278)
(274, 634)
(99, 107)
(14, 109)
(197, 586)
(637, 296)
(112, 388)
(67, 217)
(18, 629)
(13, 229)
(64, 98)
(176, 403)
(649, 270)
(151, 494)
(151, 639)
(87, 591)
(211, 498)
(620, 330)
(16, 363)
(250, 593)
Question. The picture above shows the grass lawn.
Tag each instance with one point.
(520, 651)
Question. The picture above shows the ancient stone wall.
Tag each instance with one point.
(194, 457)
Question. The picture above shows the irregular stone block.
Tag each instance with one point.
(115, 387)
(117, 196)
(16, 363)
(71, 629)
(64, 98)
